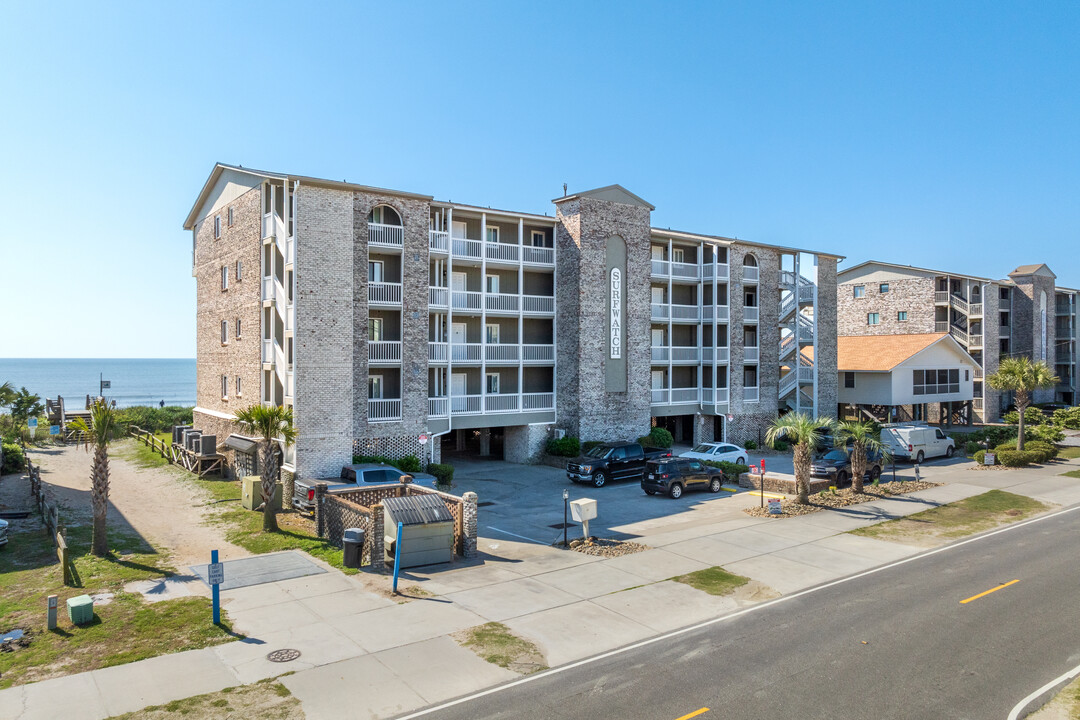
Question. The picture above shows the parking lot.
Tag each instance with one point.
(524, 503)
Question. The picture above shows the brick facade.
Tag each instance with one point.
(915, 296)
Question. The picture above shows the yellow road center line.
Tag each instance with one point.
(694, 714)
(991, 590)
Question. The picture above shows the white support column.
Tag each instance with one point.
(670, 325)
(555, 325)
(797, 362)
(521, 313)
(483, 313)
(715, 326)
(450, 320)
(700, 323)
(817, 317)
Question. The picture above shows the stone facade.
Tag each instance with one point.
(586, 409)
(525, 443)
(704, 428)
(915, 296)
(825, 358)
(1033, 331)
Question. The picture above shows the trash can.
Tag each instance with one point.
(353, 542)
(81, 609)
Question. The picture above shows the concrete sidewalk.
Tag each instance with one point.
(365, 655)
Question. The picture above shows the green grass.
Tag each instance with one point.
(125, 630)
(495, 643)
(1072, 473)
(964, 517)
(266, 699)
(714, 580)
(1069, 453)
(138, 454)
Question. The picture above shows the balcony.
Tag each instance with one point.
(384, 351)
(501, 353)
(750, 314)
(538, 401)
(466, 300)
(977, 404)
(720, 399)
(386, 235)
(661, 354)
(384, 410)
(721, 353)
(537, 304)
(437, 352)
(501, 303)
(496, 403)
(721, 311)
(751, 354)
(659, 311)
(975, 341)
(675, 396)
(750, 394)
(660, 268)
(438, 406)
(684, 355)
(466, 249)
(501, 252)
(685, 313)
(384, 293)
(538, 255)
(466, 404)
(465, 352)
(438, 297)
(537, 354)
(977, 374)
(438, 241)
(941, 327)
(685, 271)
(751, 274)
(721, 271)
(941, 298)
(1063, 308)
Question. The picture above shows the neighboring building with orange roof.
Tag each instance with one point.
(921, 376)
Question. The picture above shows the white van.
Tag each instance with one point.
(917, 442)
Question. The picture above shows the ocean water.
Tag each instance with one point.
(134, 381)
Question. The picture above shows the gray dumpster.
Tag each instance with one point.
(427, 534)
(353, 542)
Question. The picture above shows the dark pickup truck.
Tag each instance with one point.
(612, 461)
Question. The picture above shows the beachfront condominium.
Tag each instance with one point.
(383, 316)
(1026, 314)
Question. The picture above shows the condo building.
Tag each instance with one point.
(1026, 314)
(397, 324)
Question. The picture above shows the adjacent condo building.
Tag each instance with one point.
(1026, 314)
(385, 318)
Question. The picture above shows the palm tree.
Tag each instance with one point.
(804, 432)
(270, 423)
(865, 440)
(99, 433)
(1023, 377)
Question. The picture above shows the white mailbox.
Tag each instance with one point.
(583, 511)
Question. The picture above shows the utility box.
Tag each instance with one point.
(81, 609)
(427, 533)
(583, 511)
(251, 492)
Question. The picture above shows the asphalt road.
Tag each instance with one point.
(896, 643)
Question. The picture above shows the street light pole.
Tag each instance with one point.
(565, 506)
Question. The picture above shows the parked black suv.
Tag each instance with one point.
(675, 475)
(612, 461)
(836, 465)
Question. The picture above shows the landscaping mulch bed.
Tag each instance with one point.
(991, 467)
(842, 498)
(605, 547)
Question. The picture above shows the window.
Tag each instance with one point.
(859, 291)
(1003, 319)
(375, 329)
(539, 238)
(237, 386)
(374, 387)
(883, 288)
(849, 380)
(217, 227)
(750, 376)
(492, 334)
(224, 387)
(1003, 293)
(230, 217)
(385, 215)
(677, 255)
(936, 382)
(224, 277)
(492, 234)
(237, 328)
(967, 375)
(492, 383)
(239, 269)
(873, 318)
(492, 285)
(224, 332)
(1003, 345)
(901, 315)
(375, 271)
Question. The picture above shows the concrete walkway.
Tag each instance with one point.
(364, 655)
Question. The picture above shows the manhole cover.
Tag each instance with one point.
(284, 655)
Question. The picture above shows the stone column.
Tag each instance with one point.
(469, 512)
(378, 559)
(485, 442)
(320, 517)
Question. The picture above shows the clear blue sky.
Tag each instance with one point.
(938, 134)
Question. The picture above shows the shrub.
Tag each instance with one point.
(1016, 458)
(1048, 434)
(658, 437)
(971, 447)
(14, 459)
(1044, 451)
(750, 445)
(565, 447)
(444, 474)
(1032, 416)
(1067, 418)
(153, 419)
(731, 470)
(780, 446)
(980, 456)
(407, 464)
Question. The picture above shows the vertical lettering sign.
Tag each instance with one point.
(615, 351)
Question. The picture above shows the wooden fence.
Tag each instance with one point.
(153, 442)
(50, 516)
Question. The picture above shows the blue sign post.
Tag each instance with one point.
(215, 575)
(54, 429)
(397, 556)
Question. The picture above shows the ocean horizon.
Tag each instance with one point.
(133, 381)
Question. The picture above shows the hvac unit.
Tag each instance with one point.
(560, 434)
(208, 445)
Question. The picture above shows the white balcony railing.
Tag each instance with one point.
(941, 297)
(538, 401)
(660, 396)
(721, 354)
(660, 268)
(684, 395)
(268, 288)
(722, 313)
(750, 314)
(384, 351)
(466, 404)
(384, 410)
(501, 302)
(465, 352)
(750, 395)
(659, 311)
(437, 352)
(501, 353)
(685, 270)
(941, 326)
(684, 312)
(388, 235)
(751, 354)
(501, 403)
(267, 351)
(977, 374)
(438, 406)
(975, 341)
(538, 255)
(721, 271)
(538, 353)
(537, 304)
(750, 273)
(384, 293)
(502, 252)
(437, 296)
(684, 354)
(661, 354)
(465, 248)
(438, 240)
(466, 299)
